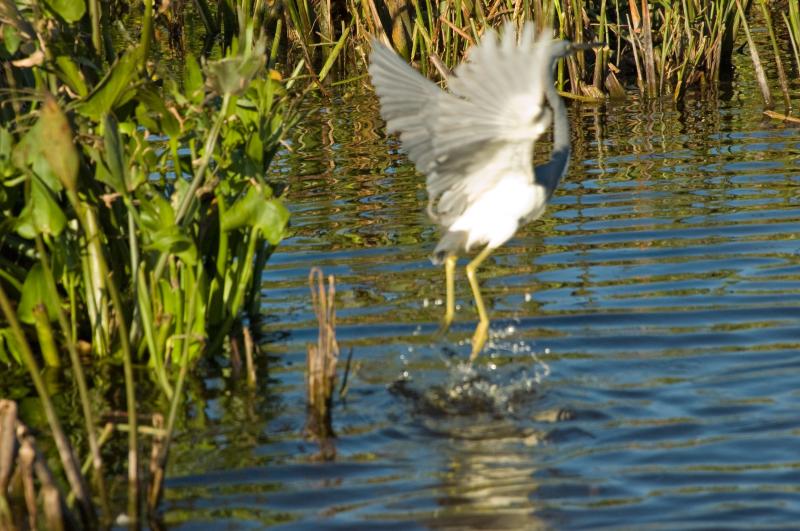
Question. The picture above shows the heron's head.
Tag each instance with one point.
(561, 48)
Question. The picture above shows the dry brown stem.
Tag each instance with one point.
(321, 362)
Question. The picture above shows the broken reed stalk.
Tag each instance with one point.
(322, 357)
(248, 356)
(18, 447)
(321, 361)
(80, 379)
(68, 460)
(8, 422)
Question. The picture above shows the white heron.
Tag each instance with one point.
(474, 143)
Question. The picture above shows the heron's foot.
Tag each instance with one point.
(479, 339)
(444, 325)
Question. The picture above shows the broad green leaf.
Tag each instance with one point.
(144, 119)
(57, 143)
(169, 296)
(193, 80)
(9, 349)
(6, 147)
(272, 220)
(69, 10)
(34, 292)
(258, 209)
(153, 102)
(41, 215)
(11, 39)
(114, 155)
(28, 153)
(171, 240)
(28, 148)
(44, 172)
(101, 172)
(116, 88)
(70, 74)
(156, 213)
(255, 148)
(232, 74)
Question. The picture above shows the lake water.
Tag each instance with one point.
(642, 371)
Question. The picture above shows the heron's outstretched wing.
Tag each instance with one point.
(406, 98)
(480, 131)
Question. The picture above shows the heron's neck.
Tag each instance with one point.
(550, 173)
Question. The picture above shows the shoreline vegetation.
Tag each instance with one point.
(658, 49)
(136, 217)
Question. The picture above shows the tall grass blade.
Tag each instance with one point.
(761, 76)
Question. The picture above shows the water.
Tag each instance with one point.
(642, 371)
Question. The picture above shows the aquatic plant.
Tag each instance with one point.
(136, 215)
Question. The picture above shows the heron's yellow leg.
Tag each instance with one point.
(481, 331)
(449, 282)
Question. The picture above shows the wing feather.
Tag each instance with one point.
(483, 129)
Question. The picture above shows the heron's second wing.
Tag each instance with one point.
(495, 110)
(406, 99)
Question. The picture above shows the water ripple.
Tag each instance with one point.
(642, 367)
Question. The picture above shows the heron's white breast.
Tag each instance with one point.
(494, 217)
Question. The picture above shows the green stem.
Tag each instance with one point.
(241, 283)
(218, 284)
(45, 334)
(97, 38)
(73, 309)
(246, 274)
(146, 311)
(276, 40)
(80, 377)
(180, 293)
(130, 397)
(97, 276)
(88, 222)
(16, 284)
(147, 31)
(205, 160)
(155, 493)
(199, 178)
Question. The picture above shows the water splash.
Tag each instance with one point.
(503, 386)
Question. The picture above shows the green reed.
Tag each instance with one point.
(662, 48)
